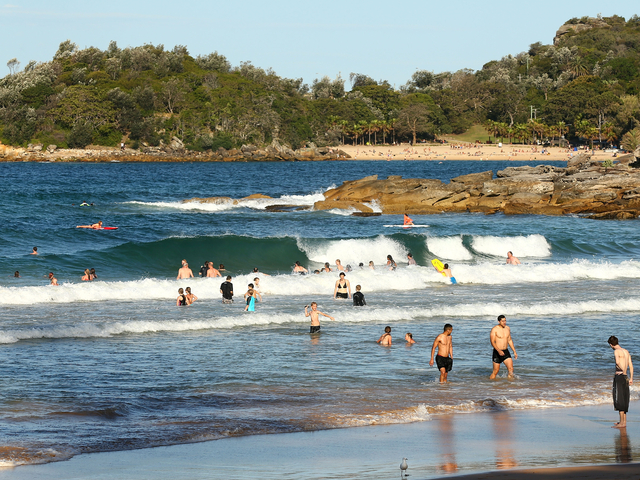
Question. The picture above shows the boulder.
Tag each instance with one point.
(580, 161)
(51, 148)
(474, 178)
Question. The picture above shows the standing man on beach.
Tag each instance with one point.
(620, 381)
(444, 358)
(501, 341)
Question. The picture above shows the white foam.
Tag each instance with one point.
(449, 248)
(531, 246)
(353, 251)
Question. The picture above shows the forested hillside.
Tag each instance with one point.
(585, 85)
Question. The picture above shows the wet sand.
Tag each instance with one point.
(534, 442)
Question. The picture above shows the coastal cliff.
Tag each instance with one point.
(584, 187)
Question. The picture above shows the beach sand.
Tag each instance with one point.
(533, 442)
(465, 152)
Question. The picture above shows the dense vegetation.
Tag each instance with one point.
(585, 86)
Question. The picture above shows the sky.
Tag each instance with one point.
(384, 40)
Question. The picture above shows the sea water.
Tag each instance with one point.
(114, 364)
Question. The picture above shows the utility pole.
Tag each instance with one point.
(534, 113)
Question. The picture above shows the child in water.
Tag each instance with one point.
(251, 301)
(358, 298)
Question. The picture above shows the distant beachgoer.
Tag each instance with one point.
(327, 268)
(17, 274)
(512, 259)
(87, 275)
(184, 272)
(314, 313)
(358, 298)
(342, 288)
(500, 341)
(255, 270)
(95, 226)
(447, 272)
(339, 266)
(407, 220)
(181, 301)
(226, 289)
(34, 251)
(122, 146)
(385, 339)
(212, 272)
(204, 268)
(221, 268)
(620, 381)
(190, 296)
(251, 301)
(411, 260)
(93, 274)
(409, 338)
(53, 280)
(371, 265)
(297, 268)
(391, 263)
(444, 358)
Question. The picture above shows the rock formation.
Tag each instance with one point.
(584, 187)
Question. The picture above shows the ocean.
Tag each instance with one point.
(114, 364)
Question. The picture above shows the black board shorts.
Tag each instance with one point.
(342, 295)
(497, 358)
(621, 393)
(314, 328)
(444, 362)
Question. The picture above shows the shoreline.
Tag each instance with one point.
(521, 444)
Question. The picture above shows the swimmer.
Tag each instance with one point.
(314, 313)
(297, 268)
(92, 274)
(327, 268)
(204, 268)
(316, 272)
(256, 281)
(371, 265)
(221, 267)
(212, 272)
(95, 226)
(385, 339)
(444, 358)
(411, 260)
(339, 266)
(190, 296)
(87, 275)
(512, 259)
(342, 288)
(226, 289)
(17, 274)
(407, 221)
(358, 298)
(251, 301)
(34, 251)
(53, 280)
(391, 263)
(181, 301)
(184, 272)
(447, 272)
(409, 338)
(255, 270)
(255, 293)
(501, 341)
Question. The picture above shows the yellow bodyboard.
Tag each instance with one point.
(438, 265)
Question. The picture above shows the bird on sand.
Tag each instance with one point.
(403, 467)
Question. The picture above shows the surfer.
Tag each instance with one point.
(620, 381)
(411, 260)
(181, 301)
(512, 259)
(501, 341)
(53, 280)
(385, 339)
(314, 313)
(409, 338)
(226, 289)
(447, 271)
(358, 297)
(407, 221)
(342, 288)
(190, 296)
(184, 272)
(391, 263)
(297, 268)
(34, 251)
(444, 358)
(95, 226)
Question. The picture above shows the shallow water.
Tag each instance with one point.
(114, 364)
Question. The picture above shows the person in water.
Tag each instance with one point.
(17, 274)
(297, 268)
(371, 265)
(447, 272)
(226, 289)
(255, 270)
(444, 358)
(391, 263)
(221, 268)
(327, 268)
(512, 259)
(181, 301)
(251, 301)
(93, 274)
(256, 293)
(204, 268)
(342, 288)
(409, 338)
(53, 280)
(501, 341)
(411, 260)
(620, 381)
(212, 272)
(314, 313)
(87, 275)
(190, 296)
(407, 220)
(339, 266)
(34, 251)
(256, 282)
(184, 272)
(385, 339)
(358, 298)
(95, 226)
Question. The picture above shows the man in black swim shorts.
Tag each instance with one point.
(444, 358)
(501, 341)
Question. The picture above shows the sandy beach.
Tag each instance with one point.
(549, 444)
(465, 151)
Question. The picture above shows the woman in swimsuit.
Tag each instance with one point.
(87, 275)
(327, 268)
(92, 274)
(190, 296)
(181, 301)
(391, 263)
(342, 288)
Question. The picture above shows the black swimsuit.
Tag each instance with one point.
(183, 300)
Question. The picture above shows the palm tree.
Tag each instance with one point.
(344, 126)
(376, 126)
(609, 132)
(520, 131)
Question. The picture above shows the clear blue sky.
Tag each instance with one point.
(385, 40)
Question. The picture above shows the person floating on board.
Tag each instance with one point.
(95, 226)
(407, 221)
(84, 204)
(620, 381)
(447, 271)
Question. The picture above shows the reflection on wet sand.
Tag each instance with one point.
(623, 447)
(446, 441)
(503, 437)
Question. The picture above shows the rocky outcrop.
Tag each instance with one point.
(584, 188)
(578, 27)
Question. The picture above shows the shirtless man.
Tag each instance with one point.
(500, 341)
(342, 288)
(447, 272)
(385, 339)
(53, 280)
(184, 272)
(212, 271)
(35, 251)
(512, 259)
(314, 313)
(620, 381)
(444, 358)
